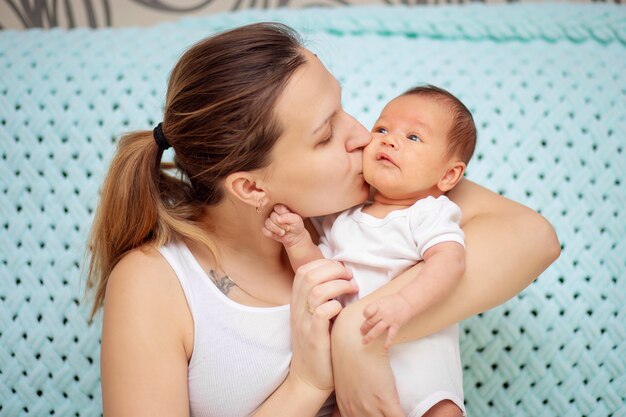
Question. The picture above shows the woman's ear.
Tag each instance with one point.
(452, 176)
(248, 188)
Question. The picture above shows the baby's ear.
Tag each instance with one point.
(452, 176)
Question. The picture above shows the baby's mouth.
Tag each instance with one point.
(384, 157)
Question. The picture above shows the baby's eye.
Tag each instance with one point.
(381, 130)
(414, 138)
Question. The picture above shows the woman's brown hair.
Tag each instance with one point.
(219, 119)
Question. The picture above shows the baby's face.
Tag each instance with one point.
(408, 152)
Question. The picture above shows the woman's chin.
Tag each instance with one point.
(358, 199)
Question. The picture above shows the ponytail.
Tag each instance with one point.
(140, 204)
(219, 117)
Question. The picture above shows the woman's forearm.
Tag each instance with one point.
(507, 247)
(443, 267)
(504, 256)
(293, 398)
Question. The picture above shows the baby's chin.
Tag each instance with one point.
(373, 182)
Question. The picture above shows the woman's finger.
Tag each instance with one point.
(315, 264)
(326, 291)
(317, 272)
(325, 312)
(310, 325)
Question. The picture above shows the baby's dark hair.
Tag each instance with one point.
(462, 134)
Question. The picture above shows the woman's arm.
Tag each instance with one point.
(507, 246)
(310, 379)
(443, 267)
(147, 340)
(143, 357)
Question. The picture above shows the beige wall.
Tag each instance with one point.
(18, 14)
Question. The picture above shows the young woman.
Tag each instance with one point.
(203, 315)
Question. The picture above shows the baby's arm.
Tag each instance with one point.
(444, 265)
(288, 228)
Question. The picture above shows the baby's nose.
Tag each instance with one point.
(390, 141)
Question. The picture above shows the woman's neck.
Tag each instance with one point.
(238, 226)
(257, 264)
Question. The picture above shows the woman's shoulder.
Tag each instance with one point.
(143, 280)
(144, 286)
(141, 267)
(144, 275)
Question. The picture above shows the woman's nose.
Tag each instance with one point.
(358, 137)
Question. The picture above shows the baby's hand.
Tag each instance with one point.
(388, 313)
(284, 226)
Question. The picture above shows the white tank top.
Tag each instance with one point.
(241, 354)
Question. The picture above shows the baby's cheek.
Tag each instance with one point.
(367, 169)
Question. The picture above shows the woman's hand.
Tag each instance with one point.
(364, 383)
(313, 306)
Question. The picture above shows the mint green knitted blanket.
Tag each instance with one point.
(547, 86)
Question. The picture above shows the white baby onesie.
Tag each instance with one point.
(377, 250)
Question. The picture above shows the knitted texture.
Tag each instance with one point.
(547, 87)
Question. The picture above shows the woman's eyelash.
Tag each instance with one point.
(325, 141)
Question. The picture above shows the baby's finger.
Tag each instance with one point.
(271, 234)
(370, 310)
(368, 325)
(275, 217)
(289, 218)
(267, 232)
(379, 329)
(282, 221)
(281, 209)
(391, 335)
(274, 228)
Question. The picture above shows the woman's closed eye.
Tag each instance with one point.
(326, 140)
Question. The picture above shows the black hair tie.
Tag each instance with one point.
(160, 138)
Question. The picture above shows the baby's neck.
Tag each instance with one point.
(383, 205)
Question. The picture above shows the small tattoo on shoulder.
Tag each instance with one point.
(224, 284)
